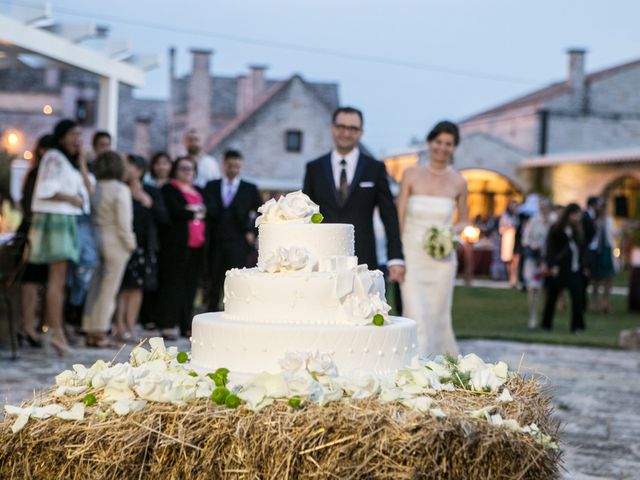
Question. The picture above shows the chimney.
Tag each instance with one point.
(199, 93)
(243, 98)
(257, 81)
(172, 63)
(250, 88)
(577, 78)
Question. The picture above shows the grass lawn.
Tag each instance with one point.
(503, 314)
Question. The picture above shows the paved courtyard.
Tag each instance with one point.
(596, 393)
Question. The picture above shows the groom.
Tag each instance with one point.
(348, 185)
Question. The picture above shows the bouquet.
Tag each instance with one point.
(439, 242)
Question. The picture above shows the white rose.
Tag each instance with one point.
(470, 362)
(359, 311)
(297, 207)
(302, 385)
(360, 386)
(299, 259)
(273, 385)
(269, 213)
(294, 361)
(330, 391)
(322, 364)
(270, 264)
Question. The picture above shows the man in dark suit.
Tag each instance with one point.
(589, 232)
(348, 185)
(231, 210)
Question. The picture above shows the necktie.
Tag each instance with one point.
(343, 189)
(228, 198)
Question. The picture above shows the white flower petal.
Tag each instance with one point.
(74, 413)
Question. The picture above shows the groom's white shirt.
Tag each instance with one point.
(352, 161)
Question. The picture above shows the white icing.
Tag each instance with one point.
(321, 241)
(354, 348)
(309, 298)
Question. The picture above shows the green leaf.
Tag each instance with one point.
(193, 374)
(232, 401)
(219, 395)
(317, 218)
(89, 399)
(295, 402)
(182, 357)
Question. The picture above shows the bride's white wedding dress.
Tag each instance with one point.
(427, 291)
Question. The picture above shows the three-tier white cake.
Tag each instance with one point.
(308, 294)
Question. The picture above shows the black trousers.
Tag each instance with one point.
(224, 256)
(574, 282)
(177, 285)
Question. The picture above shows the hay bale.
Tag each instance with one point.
(347, 439)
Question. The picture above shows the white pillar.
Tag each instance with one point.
(108, 108)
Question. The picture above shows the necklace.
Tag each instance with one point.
(437, 171)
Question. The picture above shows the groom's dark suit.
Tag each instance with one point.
(369, 188)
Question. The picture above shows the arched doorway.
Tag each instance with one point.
(489, 192)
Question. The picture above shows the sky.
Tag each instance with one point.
(406, 63)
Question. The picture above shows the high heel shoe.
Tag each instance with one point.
(33, 342)
(57, 341)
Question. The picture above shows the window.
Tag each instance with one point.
(293, 141)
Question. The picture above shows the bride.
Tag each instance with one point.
(428, 197)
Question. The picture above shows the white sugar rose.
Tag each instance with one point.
(270, 264)
(270, 213)
(301, 384)
(359, 311)
(322, 364)
(294, 361)
(298, 259)
(297, 207)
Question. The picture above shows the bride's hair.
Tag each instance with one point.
(445, 127)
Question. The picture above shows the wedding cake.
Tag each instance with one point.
(308, 294)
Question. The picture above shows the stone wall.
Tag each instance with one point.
(262, 138)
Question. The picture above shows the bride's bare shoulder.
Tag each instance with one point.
(410, 173)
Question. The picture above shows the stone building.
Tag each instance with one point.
(33, 100)
(278, 125)
(574, 138)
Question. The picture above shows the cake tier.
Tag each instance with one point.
(321, 240)
(250, 348)
(292, 297)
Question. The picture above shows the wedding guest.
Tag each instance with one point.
(565, 264)
(113, 221)
(507, 229)
(159, 169)
(208, 168)
(534, 239)
(232, 205)
(141, 271)
(58, 199)
(602, 265)
(589, 231)
(181, 249)
(34, 276)
(429, 196)
(101, 142)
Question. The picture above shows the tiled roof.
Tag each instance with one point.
(558, 88)
(230, 127)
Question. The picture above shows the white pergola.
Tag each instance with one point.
(33, 31)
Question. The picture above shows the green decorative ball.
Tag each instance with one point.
(89, 399)
(295, 402)
(378, 320)
(232, 401)
(219, 395)
(317, 218)
(182, 357)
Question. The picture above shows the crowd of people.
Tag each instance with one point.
(554, 249)
(114, 240)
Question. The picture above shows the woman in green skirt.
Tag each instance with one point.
(61, 185)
